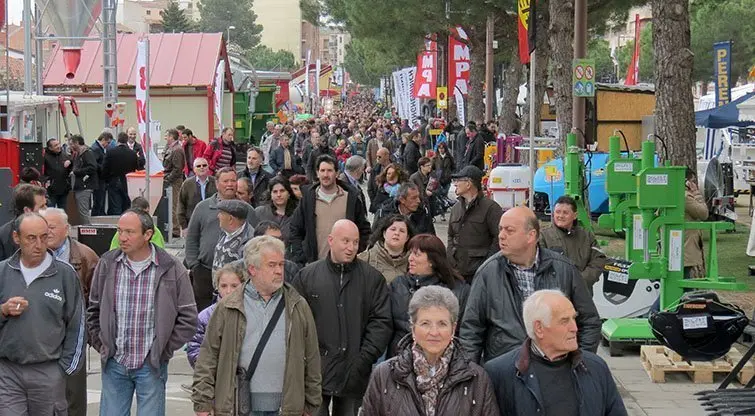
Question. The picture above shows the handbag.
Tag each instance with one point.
(244, 376)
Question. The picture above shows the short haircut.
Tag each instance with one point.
(423, 161)
(566, 199)
(433, 296)
(354, 163)
(199, 159)
(16, 225)
(180, 127)
(257, 150)
(29, 174)
(263, 227)
(403, 190)
(141, 203)
(105, 135)
(123, 137)
(187, 132)
(225, 129)
(172, 133)
(49, 142)
(224, 170)
(535, 308)
(55, 211)
(298, 180)
(532, 223)
(246, 181)
(23, 197)
(236, 268)
(144, 218)
(325, 159)
(254, 248)
(78, 139)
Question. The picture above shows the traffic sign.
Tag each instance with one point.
(442, 94)
(583, 77)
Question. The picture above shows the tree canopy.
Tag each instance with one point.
(175, 20)
(265, 59)
(219, 15)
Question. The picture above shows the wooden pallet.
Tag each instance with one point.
(659, 360)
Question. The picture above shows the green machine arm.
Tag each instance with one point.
(574, 179)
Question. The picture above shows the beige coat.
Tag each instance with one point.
(391, 268)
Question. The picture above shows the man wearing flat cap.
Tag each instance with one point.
(236, 231)
(473, 226)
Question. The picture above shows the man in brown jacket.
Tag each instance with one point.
(174, 161)
(287, 378)
(194, 190)
(84, 260)
(473, 225)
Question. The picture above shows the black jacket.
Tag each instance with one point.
(85, 171)
(99, 157)
(474, 154)
(303, 234)
(443, 168)
(140, 159)
(311, 169)
(466, 390)
(410, 156)
(493, 323)
(7, 246)
(56, 174)
(260, 194)
(402, 289)
(421, 220)
(120, 161)
(352, 314)
(277, 161)
(518, 391)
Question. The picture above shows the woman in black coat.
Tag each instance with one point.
(428, 265)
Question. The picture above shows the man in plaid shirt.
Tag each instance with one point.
(141, 309)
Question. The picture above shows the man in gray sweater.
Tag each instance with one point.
(204, 232)
(41, 325)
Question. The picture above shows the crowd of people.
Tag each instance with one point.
(299, 293)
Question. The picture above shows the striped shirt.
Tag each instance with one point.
(225, 156)
(135, 287)
(525, 278)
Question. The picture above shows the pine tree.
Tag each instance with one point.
(174, 20)
(219, 15)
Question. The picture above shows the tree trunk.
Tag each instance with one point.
(475, 104)
(512, 79)
(562, 52)
(542, 57)
(674, 111)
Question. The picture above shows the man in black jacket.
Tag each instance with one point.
(26, 198)
(57, 166)
(322, 204)
(84, 176)
(493, 323)
(350, 304)
(319, 148)
(100, 148)
(409, 204)
(412, 153)
(257, 175)
(119, 161)
(474, 153)
(134, 145)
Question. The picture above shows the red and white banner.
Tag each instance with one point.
(427, 72)
(143, 115)
(633, 72)
(458, 61)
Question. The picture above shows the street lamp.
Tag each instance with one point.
(228, 37)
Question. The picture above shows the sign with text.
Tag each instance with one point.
(442, 95)
(583, 77)
(722, 70)
(143, 116)
(458, 62)
(427, 73)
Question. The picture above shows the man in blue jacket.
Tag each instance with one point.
(41, 324)
(549, 374)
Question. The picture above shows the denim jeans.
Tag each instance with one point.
(119, 384)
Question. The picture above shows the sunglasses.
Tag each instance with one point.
(200, 166)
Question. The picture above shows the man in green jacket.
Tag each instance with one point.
(287, 378)
(567, 237)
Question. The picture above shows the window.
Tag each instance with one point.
(189, 6)
(149, 12)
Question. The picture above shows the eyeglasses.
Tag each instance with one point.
(200, 166)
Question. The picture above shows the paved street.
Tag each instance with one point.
(641, 397)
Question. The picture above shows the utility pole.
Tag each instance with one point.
(39, 55)
(580, 51)
(489, 93)
(28, 80)
(109, 57)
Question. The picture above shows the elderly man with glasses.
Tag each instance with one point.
(194, 190)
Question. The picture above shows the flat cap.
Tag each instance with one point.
(469, 172)
(235, 207)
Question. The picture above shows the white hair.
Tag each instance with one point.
(536, 308)
(54, 211)
(200, 159)
(254, 248)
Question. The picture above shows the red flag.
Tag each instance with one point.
(458, 62)
(526, 29)
(426, 79)
(633, 72)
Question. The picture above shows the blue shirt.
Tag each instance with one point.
(203, 187)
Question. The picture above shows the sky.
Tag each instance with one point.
(15, 8)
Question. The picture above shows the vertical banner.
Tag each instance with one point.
(218, 93)
(523, 10)
(722, 72)
(458, 61)
(414, 108)
(143, 116)
(459, 99)
(633, 72)
(306, 74)
(426, 81)
(317, 85)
